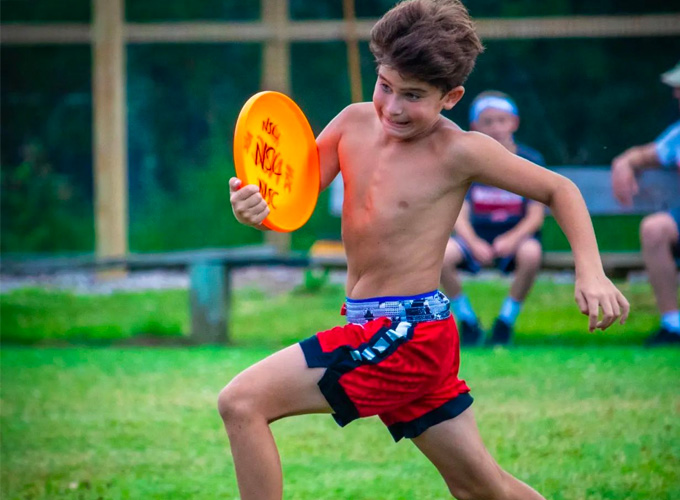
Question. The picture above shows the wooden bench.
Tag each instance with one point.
(659, 190)
(209, 278)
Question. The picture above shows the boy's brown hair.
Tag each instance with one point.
(432, 40)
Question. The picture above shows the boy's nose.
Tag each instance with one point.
(394, 107)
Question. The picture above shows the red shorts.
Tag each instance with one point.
(405, 373)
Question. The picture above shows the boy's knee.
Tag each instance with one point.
(656, 229)
(472, 492)
(491, 484)
(235, 403)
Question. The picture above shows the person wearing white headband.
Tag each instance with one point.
(494, 227)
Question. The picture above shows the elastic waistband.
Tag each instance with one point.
(431, 306)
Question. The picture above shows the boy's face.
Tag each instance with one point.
(498, 124)
(408, 107)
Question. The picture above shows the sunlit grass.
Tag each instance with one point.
(87, 423)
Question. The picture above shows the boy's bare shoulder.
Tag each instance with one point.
(353, 115)
(359, 111)
(464, 147)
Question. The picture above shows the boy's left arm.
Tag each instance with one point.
(490, 163)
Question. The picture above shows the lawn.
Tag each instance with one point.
(550, 315)
(577, 415)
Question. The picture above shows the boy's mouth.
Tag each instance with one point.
(397, 123)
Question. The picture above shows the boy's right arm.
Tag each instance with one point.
(248, 204)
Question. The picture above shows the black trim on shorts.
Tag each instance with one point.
(344, 410)
(340, 361)
(417, 426)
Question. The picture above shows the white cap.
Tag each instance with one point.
(672, 76)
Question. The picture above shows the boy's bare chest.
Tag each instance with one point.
(401, 175)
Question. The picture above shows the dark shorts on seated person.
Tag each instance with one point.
(398, 358)
(469, 263)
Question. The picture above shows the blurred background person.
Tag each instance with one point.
(495, 227)
(659, 232)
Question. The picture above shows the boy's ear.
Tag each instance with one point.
(452, 97)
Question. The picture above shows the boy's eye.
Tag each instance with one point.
(384, 87)
(412, 97)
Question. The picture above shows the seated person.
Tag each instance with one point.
(494, 227)
(659, 232)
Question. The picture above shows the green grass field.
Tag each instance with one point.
(35, 316)
(577, 415)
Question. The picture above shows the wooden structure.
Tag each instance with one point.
(109, 33)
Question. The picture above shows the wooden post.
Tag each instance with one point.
(276, 76)
(110, 135)
(353, 60)
(209, 296)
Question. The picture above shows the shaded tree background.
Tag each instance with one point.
(582, 101)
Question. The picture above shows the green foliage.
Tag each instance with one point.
(574, 96)
(197, 214)
(40, 211)
(181, 10)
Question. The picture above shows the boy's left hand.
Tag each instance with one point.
(596, 292)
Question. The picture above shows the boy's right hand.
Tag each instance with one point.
(247, 203)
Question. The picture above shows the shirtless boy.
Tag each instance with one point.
(406, 170)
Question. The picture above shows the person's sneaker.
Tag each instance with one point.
(471, 334)
(663, 337)
(501, 334)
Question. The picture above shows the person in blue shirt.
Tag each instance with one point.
(659, 232)
(495, 227)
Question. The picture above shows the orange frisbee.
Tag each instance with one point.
(275, 149)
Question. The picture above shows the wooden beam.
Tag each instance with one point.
(207, 32)
(353, 60)
(275, 75)
(110, 137)
(41, 34)
(651, 25)
(580, 27)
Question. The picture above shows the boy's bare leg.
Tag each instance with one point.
(528, 263)
(277, 386)
(658, 233)
(456, 449)
(450, 278)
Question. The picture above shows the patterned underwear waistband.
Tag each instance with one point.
(432, 306)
